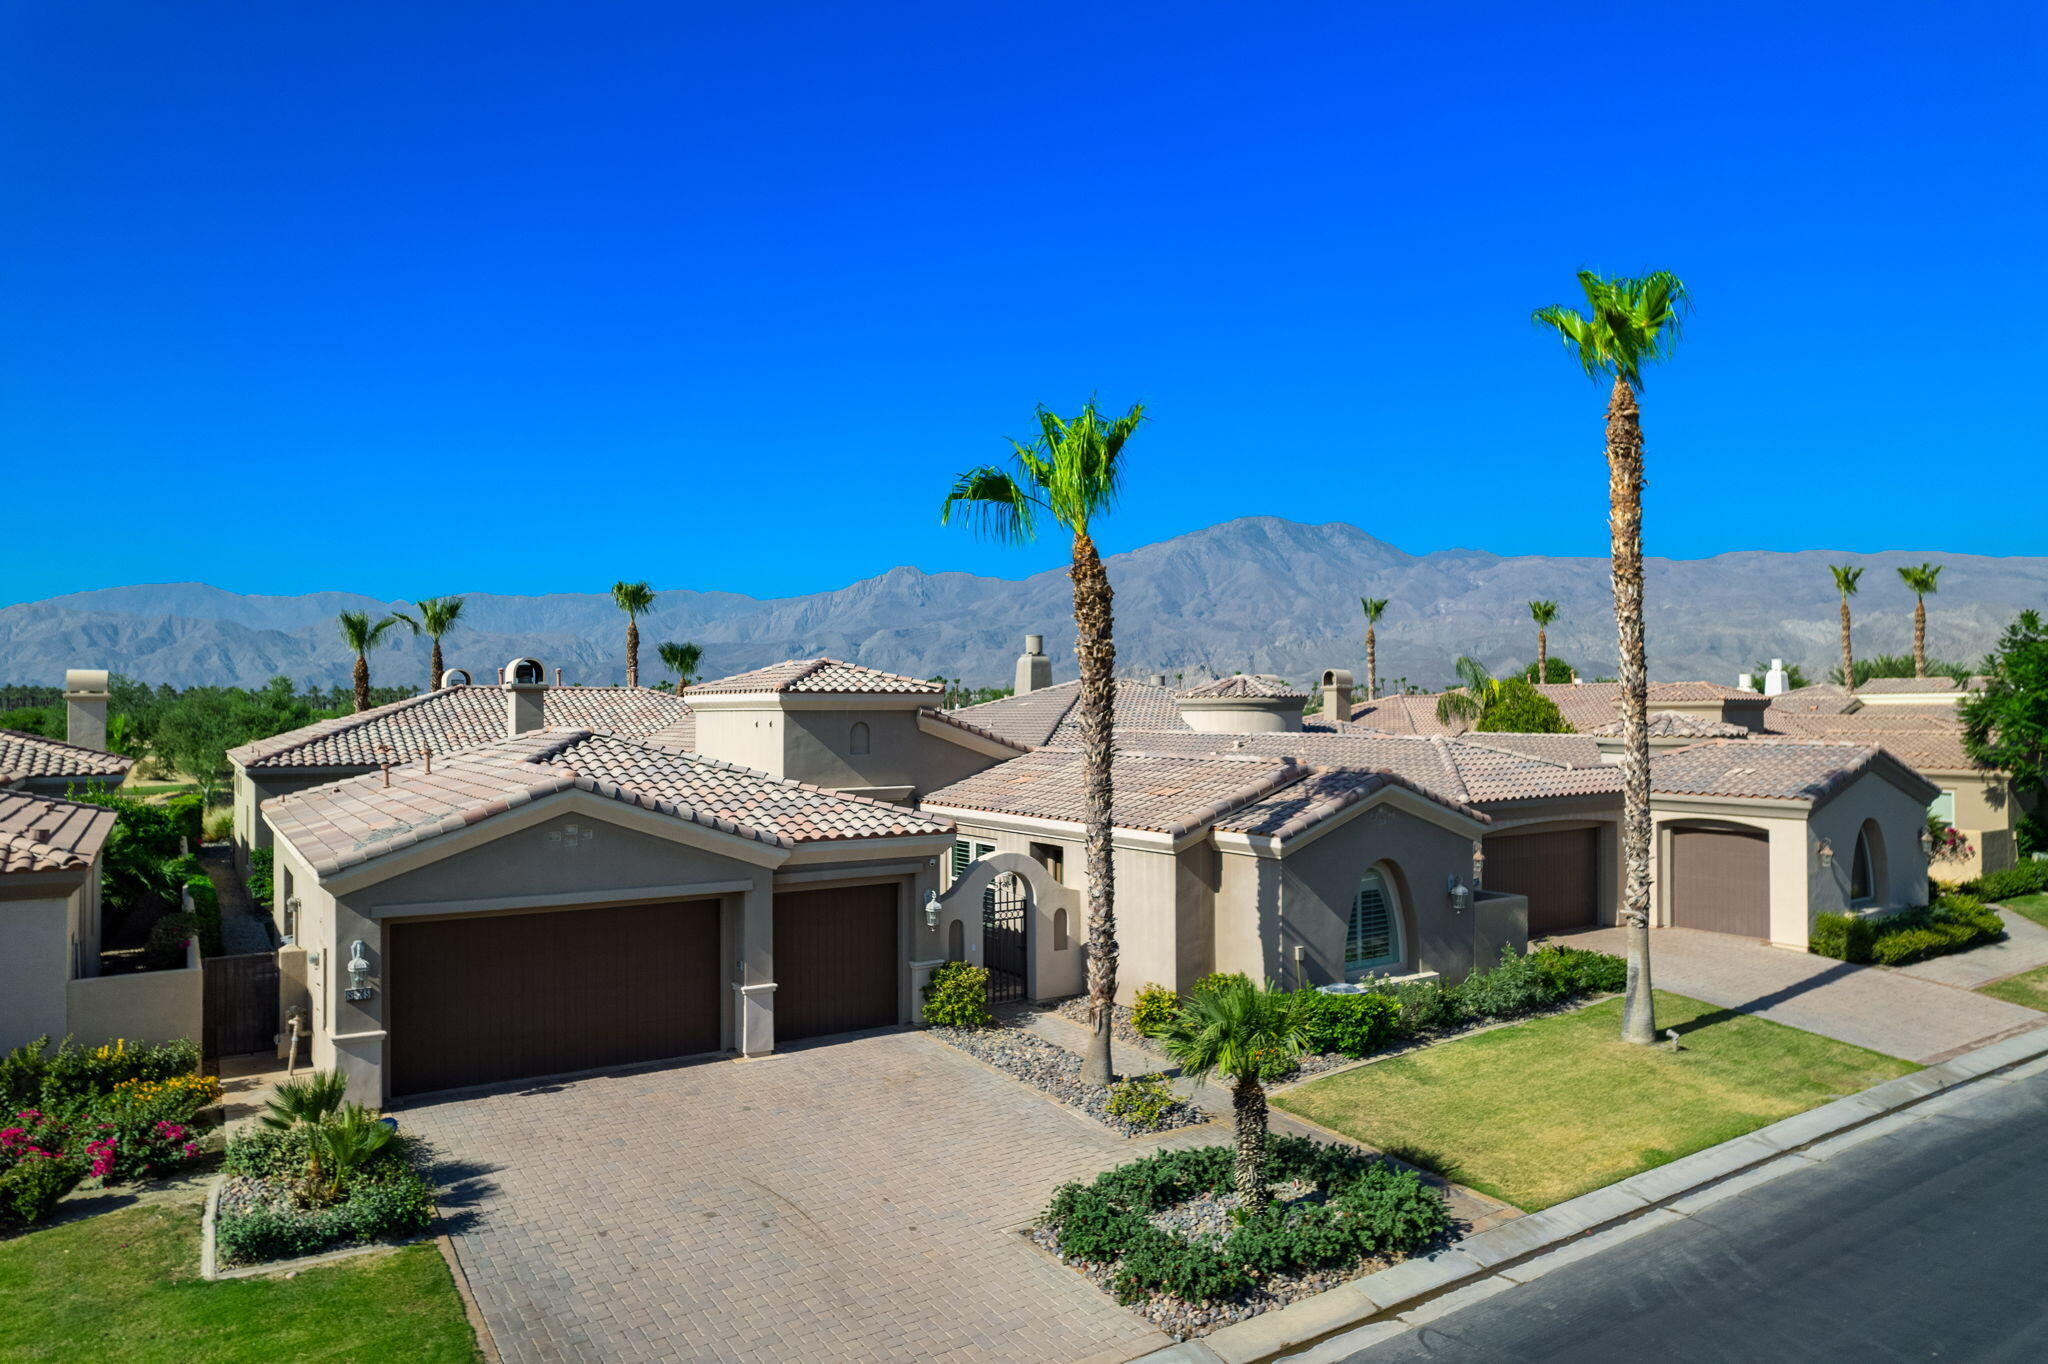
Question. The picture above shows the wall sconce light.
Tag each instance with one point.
(1461, 895)
(1926, 841)
(1827, 855)
(931, 909)
(361, 985)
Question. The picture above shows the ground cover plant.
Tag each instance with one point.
(126, 1286)
(1552, 1107)
(1954, 923)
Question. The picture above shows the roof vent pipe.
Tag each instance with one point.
(1745, 681)
(558, 677)
(1034, 669)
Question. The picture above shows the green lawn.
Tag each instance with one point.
(2035, 907)
(126, 1286)
(1555, 1107)
(2029, 988)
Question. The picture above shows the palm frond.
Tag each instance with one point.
(1921, 581)
(1374, 608)
(994, 504)
(632, 598)
(438, 615)
(682, 660)
(1630, 321)
(1845, 578)
(1543, 612)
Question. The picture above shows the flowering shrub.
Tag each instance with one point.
(31, 1185)
(1949, 845)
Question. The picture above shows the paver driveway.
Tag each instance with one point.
(855, 1199)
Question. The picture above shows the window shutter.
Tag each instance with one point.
(1371, 937)
(963, 856)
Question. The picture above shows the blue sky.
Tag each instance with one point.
(419, 298)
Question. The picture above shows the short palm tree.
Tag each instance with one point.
(1628, 323)
(1071, 473)
(1374, 608)
(1920, 582)
(633, 599)
(342, 1145)
(1234, 1027)
(1543, 613)
(1845, 583)
(682, 660)
(1476, 690)
(362, 636)
(305, 1102)
(436, 618)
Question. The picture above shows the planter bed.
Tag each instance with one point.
(268, 1210)
(1056, 1071)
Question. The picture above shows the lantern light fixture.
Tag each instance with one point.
(1461, 895)
(1827, 855)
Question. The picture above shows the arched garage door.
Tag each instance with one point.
(489, 997)
(1559, 872)
(1721, 881)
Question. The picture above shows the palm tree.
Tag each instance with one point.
(1234, 1026)
(1374, 607)
(360, 635)
(1543, 612)
(436, 618)
(1845, 583)
(1920, 582)
(1476, 690)
(1627, 323)
(633, 598)
(1071, 473)
(682, 660)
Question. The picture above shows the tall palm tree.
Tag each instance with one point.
(1071, 473)
(361, 636)
(633, 598)
(1920, 582)
(1374, 608)
(682, 660)
(1543, 612)
(436, 618)
(1628, 323)
(1234, 1026)
(1476, 690)
(1845, 583)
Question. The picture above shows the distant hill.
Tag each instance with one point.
(1256, 594)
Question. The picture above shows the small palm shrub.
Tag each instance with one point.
(956, 996)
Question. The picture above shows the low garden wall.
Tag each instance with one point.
(145, 1006)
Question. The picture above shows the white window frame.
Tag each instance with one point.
(975, 849)
(1391, 959)
(1943, 808)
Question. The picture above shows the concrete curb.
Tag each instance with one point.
(1429, 1286)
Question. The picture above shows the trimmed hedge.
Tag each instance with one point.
(2028, 878)
(1954, 923)
(188, 817)
(262, 879)
(956, 996)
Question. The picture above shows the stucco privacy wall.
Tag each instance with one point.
(142, 1006)
(35, 960)
(1055, 924)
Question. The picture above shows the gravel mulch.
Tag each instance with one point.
(1057, 1071)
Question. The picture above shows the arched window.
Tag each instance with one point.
(857, 741)
(1866, 868)
(1373, 939)
(1059, 930)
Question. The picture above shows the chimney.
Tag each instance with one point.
(85, 707)
(1774, 680)
(1034, 669)
(1156, 680)
(1336, 695)
(526, 696)
(1745, 681)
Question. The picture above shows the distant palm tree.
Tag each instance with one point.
(1920, 582)
(1543, 612)
(436, 618)
(361, 636)
(1072, 473)
(1234, 1026)
(1845, 583)
(633, 598)
(1476, 690)
(1374, 608)
(1628, 323)
(682, 660)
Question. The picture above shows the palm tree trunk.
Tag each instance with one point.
(1625, 527)
(1372, 668)
(1848, 654)
(362, 680)
(632, 652)
(1919, 636)
(1096, 645)
(1542, 654)
(435, 669)
(1248, 1099)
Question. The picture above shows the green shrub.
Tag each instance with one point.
(167, 939)
(187, 813)
(1427, 1006)
(30, 1188)
(2028, 878)
(76, 1074)
(1350, 1025)
(262, 879)
(1517, 986)
(1953, 924)
(384, 1196)
(1142, 1099)
(1577, 971)
(1155, 1007)
(1217, 978)
(957, 997)
(268, 1152)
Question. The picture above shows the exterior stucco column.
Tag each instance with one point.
(754, 990)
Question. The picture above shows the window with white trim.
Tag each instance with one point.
(1372, 941)
(968, 851)
(1944, 808)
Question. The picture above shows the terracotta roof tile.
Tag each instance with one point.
(1923, 739)
(25, 756)
(1680, 724)
(1169, 793)
(1254, 685)
(1762, 769)
(38, 833)
(816, 675)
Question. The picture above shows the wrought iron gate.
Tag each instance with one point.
(1003, 906)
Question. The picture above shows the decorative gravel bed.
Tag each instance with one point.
(1057, 1071)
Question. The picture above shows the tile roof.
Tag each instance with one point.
(457, 718)
(1761, 769)
(1828, 697)
(1928, 740)
(1168, 792)
(354, 820)
(1326, 791)
(1405, 714)
(1257, 686)
(816, 675)
(38, 833)
(1051, 714)
(946, 717)
(1894, 686)
(25, 756)
(1680, 724)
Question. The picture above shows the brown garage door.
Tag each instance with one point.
(1558, 871)
(1721, 881)
(835, 960)
(479, 999)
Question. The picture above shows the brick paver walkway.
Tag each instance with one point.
(856, 1199)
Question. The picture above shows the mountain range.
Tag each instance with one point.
(1258, 594)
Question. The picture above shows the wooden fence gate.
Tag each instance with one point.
(241, 1004)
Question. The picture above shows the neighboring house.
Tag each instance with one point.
(51, 852)
(29, 762)
(1588, 707)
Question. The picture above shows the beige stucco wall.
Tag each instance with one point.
(35, 962)
(1985, 814)
(144, 1006)
(814, 743)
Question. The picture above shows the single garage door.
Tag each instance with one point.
(1721, 881)
(493, 997)
(836, 960)
(1558, 871)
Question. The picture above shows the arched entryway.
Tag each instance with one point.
(1006, 937)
